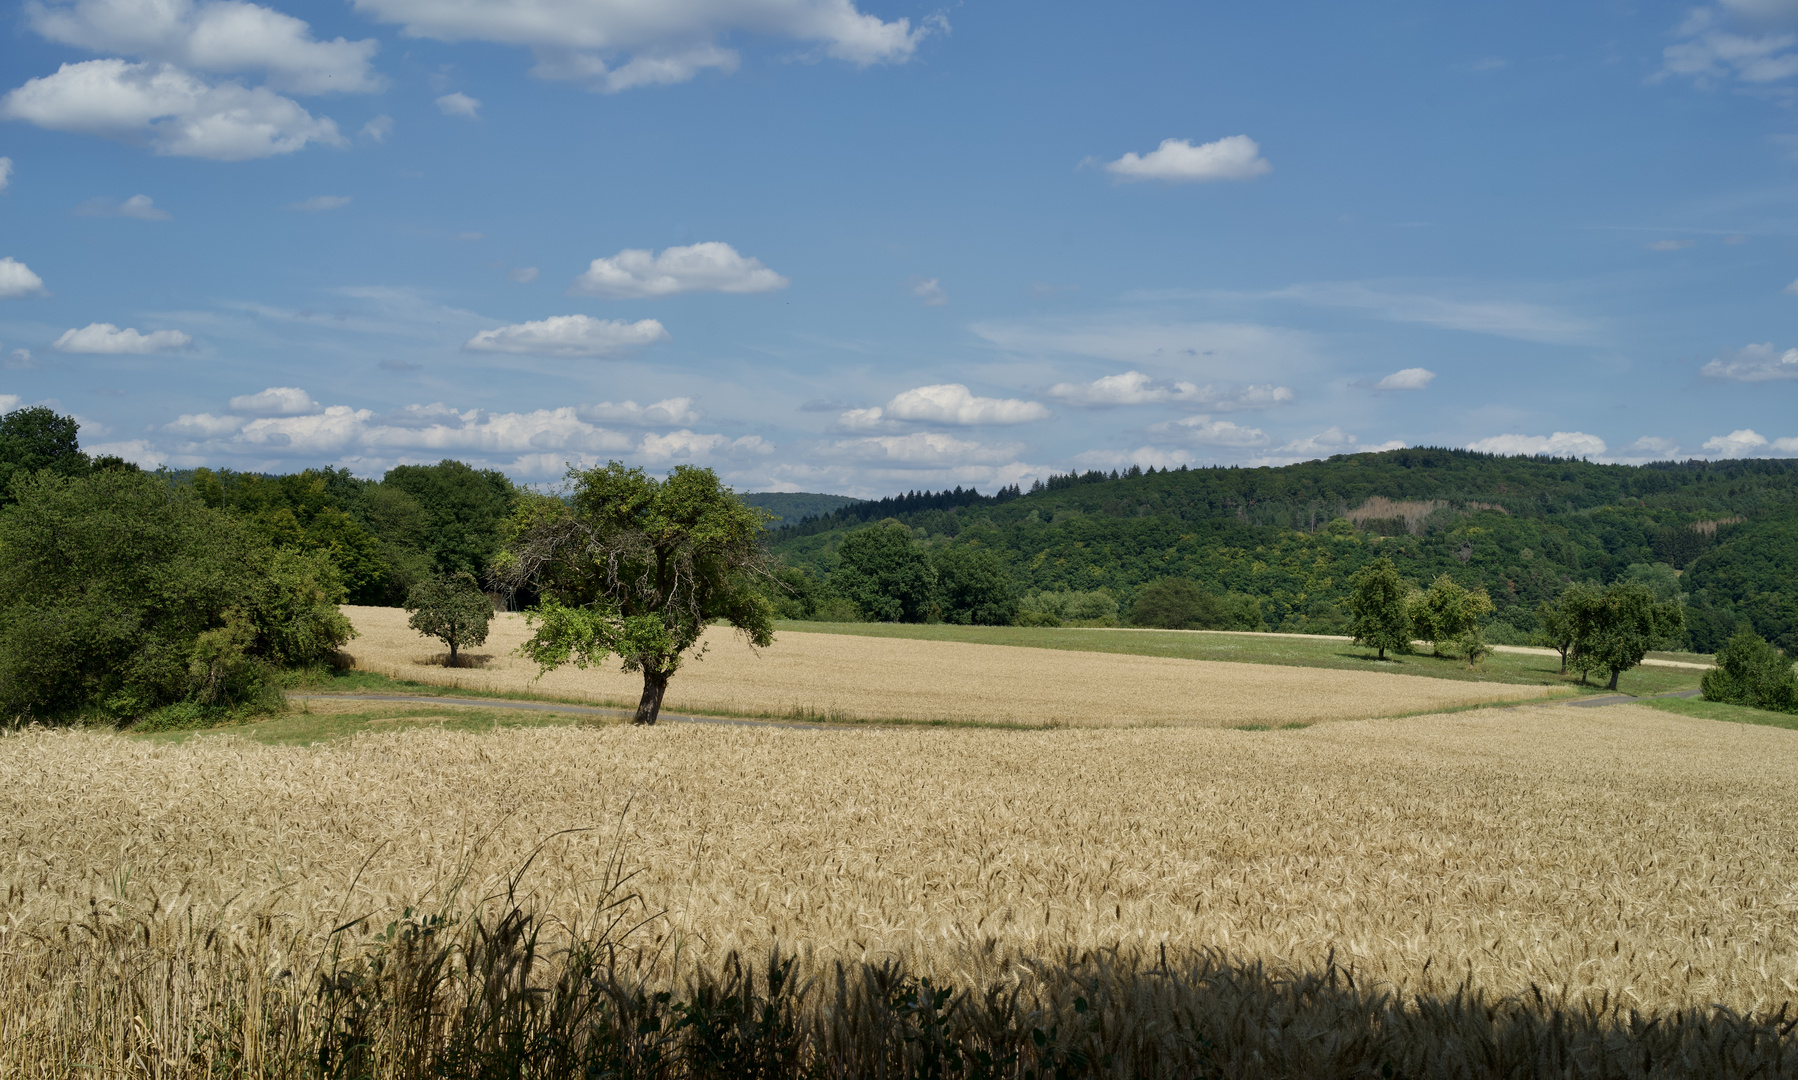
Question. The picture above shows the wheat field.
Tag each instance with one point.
(863, 678)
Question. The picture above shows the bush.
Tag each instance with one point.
(1751, 672)
(1180, 604)
(120, 594)
(973, 588)
(886, 574)
(1095, 608)
(1038, 618)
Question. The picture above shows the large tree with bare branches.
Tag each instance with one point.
(630, 565)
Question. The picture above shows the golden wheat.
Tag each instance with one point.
(896, 679)
(1621, 850)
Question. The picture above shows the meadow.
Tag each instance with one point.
(1329, 898)
(863, 677)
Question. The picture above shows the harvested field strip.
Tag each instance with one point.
(863, 678)
(1524, 668)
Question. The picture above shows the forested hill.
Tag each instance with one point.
(1521, 527)
(791, 506)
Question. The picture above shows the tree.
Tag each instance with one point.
(631, 565)
(1176, 603)
(886, 574)
(38, 438)
(1380, 617)
(1614, 629)
(451, 608)
(1754, 673)
(463, 511)
(121, 593)
(1559, 626)
(973, 588)
(1449, 614)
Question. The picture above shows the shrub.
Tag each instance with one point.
(886, 574)
(121, 594)
(1064, 606)
(973, 589)
(1181, 604)
(1752, 672)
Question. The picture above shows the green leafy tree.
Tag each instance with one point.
(1448, 614)
(451, 608)
(886, 574)
(1615, 629)
(973, 588)
(1754, 673)
(1174, 603)
(1378, 608)
(463, 511)
(1559, 626)
(639, 567)
(121, 593)
(38, 438)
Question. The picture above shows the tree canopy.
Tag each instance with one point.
(886, 574)
(451, 608)
(1379, 606)
(637, 567)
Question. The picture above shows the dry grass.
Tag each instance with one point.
(854, 677)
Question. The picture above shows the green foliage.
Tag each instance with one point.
(1614, 629)
(1092, 607)
(973, 589)
(121, 594)
(451, 608)
(638, 567)
(1379, 608)
(794, 506)
(38, 438)
(1448, 615)
(1752, 672)
(1753, 574)
(1180, 604)
(1658, 578)
(886, 574)
(1558, 619)
(461, 512)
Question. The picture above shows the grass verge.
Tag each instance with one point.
(1281, 649)
(1717, 710)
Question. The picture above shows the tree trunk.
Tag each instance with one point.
(1563, 661)
(1382, 652)
(655, 684)
(1614, 673)
(452, 645)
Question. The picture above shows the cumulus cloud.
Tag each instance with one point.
(1560, 444)
(668, 411)
(610, 46)
(175, 112)
(5, 173)
(139, 452)
(224, 37)
(17, 280)
(1411, 378)
(1745, 442)
(276, 400)
(459, 104)
(1136, 388)
(1177, 161)
(107, 339)
(927, 449)
(9, 402)
(569, 335)
(318, 203)
(141, 207)
(1749, 49)
(1754, 363)
(1159, 457)
(946, 403)
(1326, 443)
(1651, 448)
(1208, 432)
(203, 425)
(929, 290)
(636, 274)
(377, 129)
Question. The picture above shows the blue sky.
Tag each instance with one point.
(871, 246)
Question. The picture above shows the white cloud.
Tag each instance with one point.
(5, 173)
(1500, 318)
(378, 129)
(524, 275)
(204, 425)
(929, 290)
(610, 45)
(459, 104)
(670, 411)
(635, 273)
(569, 335)
(1754, 363)
(1326, 443)
(141, 207)
(1791, 290)
(177, 113)
(1208, 432)
(107, 339)
(1669, 245)
(224, 37)
(319, 203)
(276, 400)
(1738, 443)
(1136, 388)
(17, 280)
(137, 451)
(9, 402)
(1560, 444)
(926, 449)
(1159, 457)
(1178, 161)
(1411, 378)
(952, 403)
(1651, 448)
(1709, 53)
